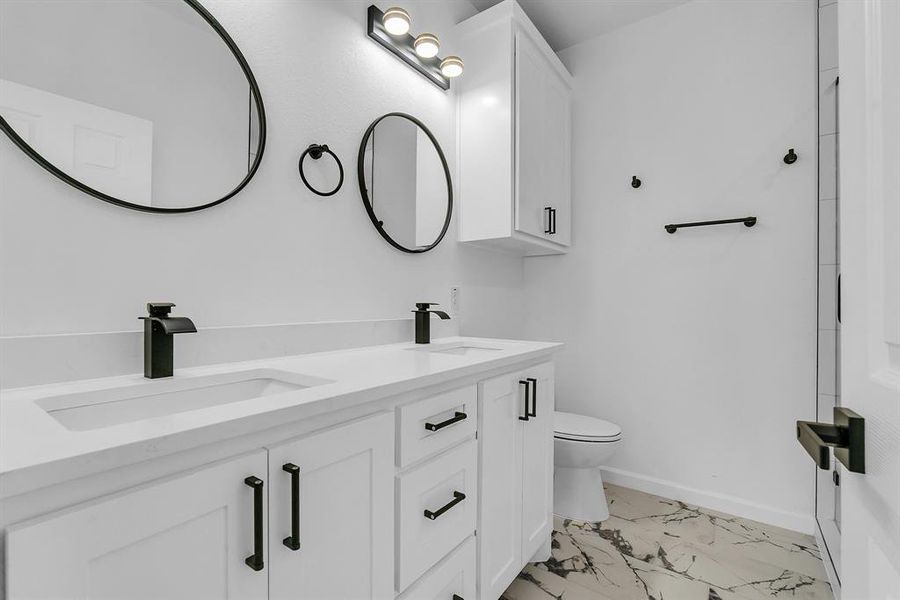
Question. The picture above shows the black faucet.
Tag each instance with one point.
(423, 321)
(159, 328)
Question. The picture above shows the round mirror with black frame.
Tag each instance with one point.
(405, 182)
(148, 104)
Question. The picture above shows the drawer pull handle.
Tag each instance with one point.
(457, 498)
(457, 417)
(255, 560)
(527, 391)
(293, 540)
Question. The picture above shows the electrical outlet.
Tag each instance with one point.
(454, 300)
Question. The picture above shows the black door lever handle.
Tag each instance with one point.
(846, 436)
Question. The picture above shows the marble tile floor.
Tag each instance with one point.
(653, 548)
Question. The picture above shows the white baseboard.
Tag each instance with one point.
(720, 502)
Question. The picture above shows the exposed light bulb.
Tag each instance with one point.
(396, 20)
(452, 66)
(427, 45)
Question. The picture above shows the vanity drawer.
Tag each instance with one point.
(437, 506)
(428, 426)
(454, 576)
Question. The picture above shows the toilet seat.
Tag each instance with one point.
(581, 428)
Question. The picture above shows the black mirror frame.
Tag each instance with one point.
(260, 113)
(364, 193)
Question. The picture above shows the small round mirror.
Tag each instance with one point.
(405, 182)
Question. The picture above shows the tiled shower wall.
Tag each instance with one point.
(829, 256)
(827, 483)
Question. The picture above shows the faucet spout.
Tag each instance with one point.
(172, 325)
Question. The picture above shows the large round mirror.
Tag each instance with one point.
(405, 182)
(147, 104)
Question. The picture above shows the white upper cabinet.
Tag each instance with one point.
(514, 136)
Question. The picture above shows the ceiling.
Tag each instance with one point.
(565, 23)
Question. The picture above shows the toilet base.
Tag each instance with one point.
(578, 494)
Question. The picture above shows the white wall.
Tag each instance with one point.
(701, 344)
(275, 253)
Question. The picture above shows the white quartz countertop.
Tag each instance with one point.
(35, 446)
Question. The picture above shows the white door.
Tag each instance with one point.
(537, 463)
(181, 538)
(500, 405)
(869, 44)
(108, 150)
(345, 507)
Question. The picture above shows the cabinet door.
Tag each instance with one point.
(557, 155)
(543, 136)
(180, 538)
(345, 510)
(500, 487)
(537, 463)
(532, 156)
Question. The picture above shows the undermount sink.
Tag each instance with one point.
(156, 398)
(458, 348)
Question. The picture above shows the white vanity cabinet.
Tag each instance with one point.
(185, 537)
(514, 136)
(516, 467)
(439, 492)
(188, 537)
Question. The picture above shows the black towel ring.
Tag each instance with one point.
(316, 151)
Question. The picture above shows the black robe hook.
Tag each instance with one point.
(791, 157)
(635, 182)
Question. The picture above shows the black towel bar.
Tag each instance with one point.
(747, 221)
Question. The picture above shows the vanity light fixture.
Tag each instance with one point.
(452, 66)
(391, 30)
(396, 21)
(427, 45)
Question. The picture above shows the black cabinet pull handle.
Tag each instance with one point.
(549, 228)
(293, 540)
(457, 498)
(457, 417)
(533, 412)
(553, 222)
(527, 390)
(255, 560)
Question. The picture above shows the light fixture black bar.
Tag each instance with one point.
(402, 46)
(747, 221)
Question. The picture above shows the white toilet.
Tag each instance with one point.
(581, 445)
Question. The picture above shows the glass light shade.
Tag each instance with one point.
(427, 45)
(396, 20)
(452, 66)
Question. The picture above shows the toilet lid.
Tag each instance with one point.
(584, 427)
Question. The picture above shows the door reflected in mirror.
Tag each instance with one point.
(405, 183)
(144, 103)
